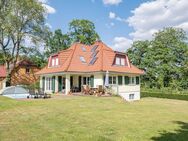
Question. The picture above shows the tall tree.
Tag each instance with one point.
(18, 19)
(83, 31)
(164, 59)
(56, 41)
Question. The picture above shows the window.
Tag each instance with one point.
(83, 48)
(131, 96)
(131, 80)
(126, 79)
(112, 80)
(86, 80)
(27, 70)
(123, 61)
(120, 80)
(137, 80)
(55, 61)
(82, 59)
(117, 61)
(120, 61)
(48, 83)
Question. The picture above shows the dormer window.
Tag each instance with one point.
(55, 61)
(120, 61)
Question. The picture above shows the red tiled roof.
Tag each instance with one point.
(2, 71)
(69, 61)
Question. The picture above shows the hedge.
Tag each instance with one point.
(163, 95)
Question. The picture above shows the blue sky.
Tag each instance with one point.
(119, 22)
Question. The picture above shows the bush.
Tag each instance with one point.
(165, 95)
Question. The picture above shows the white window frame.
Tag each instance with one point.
(53, 61)
(118, 61)
(113, 78)
(122, 61)
(132, 80)
(56, 61)
(88, 80)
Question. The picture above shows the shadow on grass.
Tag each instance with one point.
(178, 135)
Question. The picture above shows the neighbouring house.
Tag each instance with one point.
(22, 74)
(2, 76)
(88, 65)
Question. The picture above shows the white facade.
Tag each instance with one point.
(129, 92)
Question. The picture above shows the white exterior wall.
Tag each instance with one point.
(98, 80)
(125, 90)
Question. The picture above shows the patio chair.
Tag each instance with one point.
(42, 94)
(32, 94)
(85, 89)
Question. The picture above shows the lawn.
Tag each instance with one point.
(73, 118)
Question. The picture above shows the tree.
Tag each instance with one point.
(1, 58)
(82, 31)
(18, 19)
(56, 41)
(164, 59)
(35, 55)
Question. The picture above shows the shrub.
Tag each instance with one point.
(165, 95)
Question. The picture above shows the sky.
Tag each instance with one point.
(119, 22)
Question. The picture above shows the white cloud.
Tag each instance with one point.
(151, 16)
(112, 2)
(112, 15)
(121, 43)
(48, 8)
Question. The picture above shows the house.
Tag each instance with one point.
(2, 76)
(22, 74)
(88, 65)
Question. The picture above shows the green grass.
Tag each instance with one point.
(81, 118)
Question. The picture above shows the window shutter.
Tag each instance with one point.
(126, 80)
(137, 80)
(92, 81)
(119, 80)
(53, 83)
(43, 83)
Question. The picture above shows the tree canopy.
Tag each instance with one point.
(19, 20)
(82, 31)
(164, 59)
